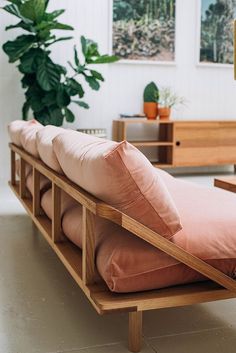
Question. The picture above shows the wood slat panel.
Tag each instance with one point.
(88, 241)
(36, 193)
(22, 178)
(57, 235)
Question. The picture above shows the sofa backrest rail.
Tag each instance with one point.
(92, 207)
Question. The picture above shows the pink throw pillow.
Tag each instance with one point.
(44, 139)
(120, 175)
(15, 128)
(28, 137)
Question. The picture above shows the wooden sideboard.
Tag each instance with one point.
(181, 143)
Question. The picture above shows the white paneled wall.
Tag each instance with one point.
(210, 91)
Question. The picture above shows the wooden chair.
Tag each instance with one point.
(81, 264)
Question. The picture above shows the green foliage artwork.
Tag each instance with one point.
(49, 89)
(217, 31)
(144, 29)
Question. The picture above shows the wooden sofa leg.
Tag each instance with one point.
(135, 331)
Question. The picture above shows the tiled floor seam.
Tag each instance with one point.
(149, 345)
(87, 347)
(186, 333)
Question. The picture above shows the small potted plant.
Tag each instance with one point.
(168, 99)
(151, 97)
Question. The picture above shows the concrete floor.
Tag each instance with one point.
(42, 310)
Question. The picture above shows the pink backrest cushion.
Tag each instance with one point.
(28, 137)
(120, 175)
(15, 128)
(44, 139)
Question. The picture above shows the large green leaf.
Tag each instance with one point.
(62, 26)
(58, 40)
(30, 60)
(16, 48)
(25, 110)
(46, 3)
(36, 103)
(92, 55)
(69, 115)
(33, 10)
(103, 59)
(16, 2)
(76, 56)
(26, 26)
(56, 116)
(61, 69)
(63, 99)
(45, 25)
(28, 80)
(43, 116)
(48, 75)
(93, 83)
(50, 98)
(52, 15)
(97, 75)
(13, 10)
(83, 45)
(73, 88)
(81, 104)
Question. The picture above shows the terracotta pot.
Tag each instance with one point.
(150, 109)
(164, 112)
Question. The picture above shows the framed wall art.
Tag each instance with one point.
(216, 43)
(144, 31)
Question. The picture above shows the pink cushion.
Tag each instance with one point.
(129, 264)
(28, 168)
(66, 203)
(120, 175)
(44, 139)
(28, 137)
(45, 183)
(14, 130)
(72, 226)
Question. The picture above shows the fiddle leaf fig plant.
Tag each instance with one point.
(49, 88)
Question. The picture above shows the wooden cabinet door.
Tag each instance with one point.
(196, 143)
(227, 142)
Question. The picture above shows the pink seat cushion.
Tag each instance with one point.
(28, 137)
(66, 203)
(45, 183)
(28, 168)
(15, 128)
(72, 226)
(128, 264)
(120, 175)
(44, 139)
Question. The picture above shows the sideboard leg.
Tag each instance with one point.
(135, 331)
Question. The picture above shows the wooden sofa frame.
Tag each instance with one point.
(81, 263)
